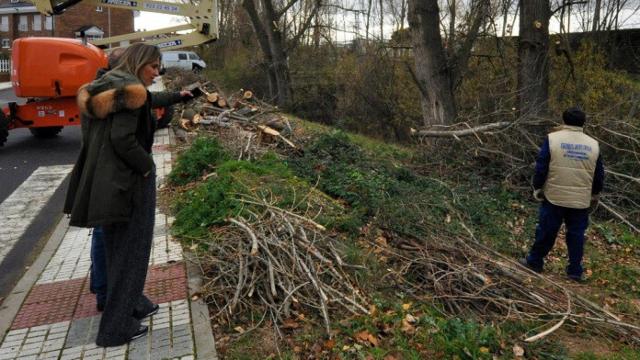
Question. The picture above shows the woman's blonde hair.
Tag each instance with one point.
(136, 56)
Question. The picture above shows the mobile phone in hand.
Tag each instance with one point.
(196, 92)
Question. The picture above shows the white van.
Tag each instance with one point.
(187, 60)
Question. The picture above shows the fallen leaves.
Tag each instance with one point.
(290, 324)
(407, 325)
(518, 351)
(366, 337)
(329, 344)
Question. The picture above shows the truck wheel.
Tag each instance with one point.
(4, 128)
(196, 69)
(45, 132)
(164, 121)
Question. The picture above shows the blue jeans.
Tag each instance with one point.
(98, 281)
(550, 219)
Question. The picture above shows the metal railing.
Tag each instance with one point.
(5, 66)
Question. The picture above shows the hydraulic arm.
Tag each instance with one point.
(202, 25)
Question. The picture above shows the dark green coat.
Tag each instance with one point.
(117, 136)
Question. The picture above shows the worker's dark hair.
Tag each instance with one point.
(114, 57)
(136, 56)
(574, 117)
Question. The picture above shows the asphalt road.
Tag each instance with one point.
(21, 155)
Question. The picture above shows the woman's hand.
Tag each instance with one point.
(186, 93)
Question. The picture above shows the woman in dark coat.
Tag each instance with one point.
(113, 183)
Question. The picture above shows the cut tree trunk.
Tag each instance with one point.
(432, 70)
(212, 97)
(533, 66)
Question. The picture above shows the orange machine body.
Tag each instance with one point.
(53, 67)
(50, 88)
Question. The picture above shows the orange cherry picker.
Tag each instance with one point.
(48, 71)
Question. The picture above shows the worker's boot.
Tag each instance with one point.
(525, 263)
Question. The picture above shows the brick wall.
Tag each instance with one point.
(86, 15)
(112, 21)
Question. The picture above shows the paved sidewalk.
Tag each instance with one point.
(58, 318)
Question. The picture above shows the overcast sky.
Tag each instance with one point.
(150, 21)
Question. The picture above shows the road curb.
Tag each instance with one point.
(5, 85)
(203, 335)
(14, 300)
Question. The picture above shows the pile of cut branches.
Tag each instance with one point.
(510, 147)
(245, 118)
(279, 264)
(468, 278)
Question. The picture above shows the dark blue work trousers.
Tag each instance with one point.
(550, 219)
(98, 279)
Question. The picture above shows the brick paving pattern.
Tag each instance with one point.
(59, 320)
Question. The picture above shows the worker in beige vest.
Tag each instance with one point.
(568, 180)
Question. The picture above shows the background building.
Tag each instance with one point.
(21, 19)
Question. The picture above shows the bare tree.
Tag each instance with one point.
(398, 10)
(432, 71)
(533, 65)
(596, 16)
(267, 24)
(368, 22)
(438, 72)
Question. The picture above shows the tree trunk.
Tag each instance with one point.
(367, 24)
(460, 59)
(451, 39)
(432, 71)
(403, 14)
(533, 64)
(273, 48)
(278, 54)
(596, 16)
(381, 20)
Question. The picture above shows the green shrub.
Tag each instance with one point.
(596, 88)
(219, 197)
(205, 154)
(466, 339)
(377, 190)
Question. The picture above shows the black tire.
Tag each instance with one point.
(4, 128)
(196, 69)
(45, 132)
(165, 120)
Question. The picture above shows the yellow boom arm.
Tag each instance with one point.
(201, 28)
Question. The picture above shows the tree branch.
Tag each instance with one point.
(285, 9)
(465, 132)
(461, 57)
(570, 3)
(258, 27)
(305, 26)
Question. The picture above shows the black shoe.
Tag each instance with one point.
(580, 279)
(142, 331)
(153, 311)
(525, 263)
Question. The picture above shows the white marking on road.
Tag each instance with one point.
(25, 203)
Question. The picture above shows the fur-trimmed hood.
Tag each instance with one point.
(113, 92)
